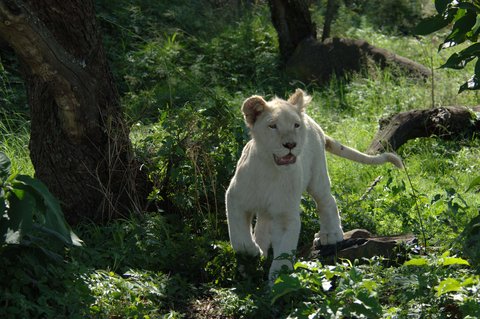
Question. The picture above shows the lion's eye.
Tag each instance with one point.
(273, 126)
(297, 125)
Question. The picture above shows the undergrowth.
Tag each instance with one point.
(183, 71)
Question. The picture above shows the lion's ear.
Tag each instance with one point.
(252, 108)
(299, 99)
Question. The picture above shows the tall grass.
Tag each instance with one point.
(14, 136)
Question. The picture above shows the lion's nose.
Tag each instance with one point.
(290, 145)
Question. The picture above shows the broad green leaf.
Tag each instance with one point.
(460, 59)
(4, 166)
(19, 218)
(448, 285)
(476, 180)
(456, 61)
(472, 84)
(284, 285)
(48, 213)
(447, 261)
(446, 254)
(416, 262)
(464, 24)
(48, 199)
(470, 281)
(431, 24)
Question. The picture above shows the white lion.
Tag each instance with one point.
(285, 157)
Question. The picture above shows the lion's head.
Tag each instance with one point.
(277, 126)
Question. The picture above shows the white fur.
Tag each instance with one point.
(271, 192)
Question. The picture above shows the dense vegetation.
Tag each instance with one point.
(183, 69)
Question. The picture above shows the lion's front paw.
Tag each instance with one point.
(329, 238)
(247, 248)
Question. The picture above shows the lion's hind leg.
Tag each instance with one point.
(320, 189)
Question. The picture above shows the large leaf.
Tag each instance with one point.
(431, 24)
(285, 285)
(464, 24)
(416, 262)
(448, 285)
(19, 218)
(48, 213)
(460, 59)
(448, 261)
(472, 84)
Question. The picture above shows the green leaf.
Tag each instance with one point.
(475, 182)
(416, 262)
(19, 219)
(285, 285)
(460, 59)
(462, 26)
(457, 61)
(431, 24)
(447, 261)
(448, 285)
(5, 166)
(48, 212)
(472, 84)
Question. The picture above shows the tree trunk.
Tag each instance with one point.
(331, 12)
(293, 23)
(444, 122)
(79, 143)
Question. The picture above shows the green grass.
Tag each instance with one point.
(182, 89)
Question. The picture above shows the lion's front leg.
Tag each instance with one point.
(240, 231)
(285, 231)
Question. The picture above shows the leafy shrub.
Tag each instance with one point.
(33, 236)
(462, 16)
(191, 154)
(133, 295)
(30, 213)
(423, 287)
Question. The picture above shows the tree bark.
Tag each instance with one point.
(79, 143)
(293, 23)
(444, 122)
(331, 12)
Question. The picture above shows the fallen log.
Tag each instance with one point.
(318, 61)
(360, 243)
(445, 122)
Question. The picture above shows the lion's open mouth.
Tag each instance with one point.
(285, 160)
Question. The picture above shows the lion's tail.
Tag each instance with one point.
(338, 149)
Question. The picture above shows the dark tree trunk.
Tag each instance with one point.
(293, 23)
(331, 12)
(79, 142)
(444, 122)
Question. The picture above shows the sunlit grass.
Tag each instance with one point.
(14, 137)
